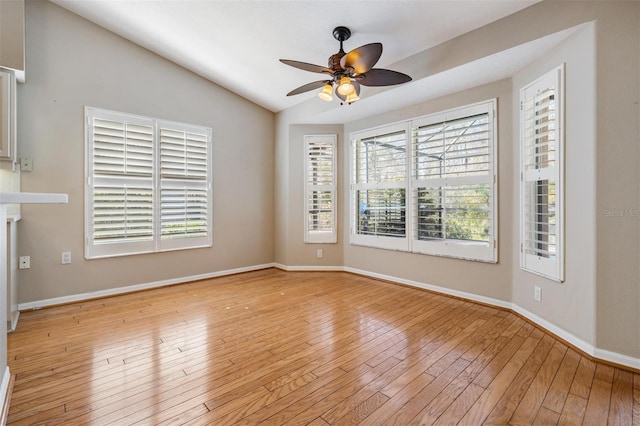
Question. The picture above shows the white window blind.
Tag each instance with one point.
(453, 183)
(184, 185)
(380, 188)
(130, 207)
(541, 194)
(320, 189)
(446, 207)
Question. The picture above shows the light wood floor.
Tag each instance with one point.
(303, 348)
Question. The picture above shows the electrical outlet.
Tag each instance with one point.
(319, 253)
(25, 262)
(66, 257)
(537, 294)
(26, 164)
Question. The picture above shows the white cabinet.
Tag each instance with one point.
(12, 68)
(12, 36)
(8, 122)
(12, 272)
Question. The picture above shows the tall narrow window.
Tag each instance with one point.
(380, 188)
(184, 186)
(541, 171)
(320, 189)
(148, 185)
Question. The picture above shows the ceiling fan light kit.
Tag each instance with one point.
(352, 97)
(326, 94)
(345, 87)
(348, 71)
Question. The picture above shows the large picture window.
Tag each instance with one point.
(541, 171)
(148, 185)
(447, 206)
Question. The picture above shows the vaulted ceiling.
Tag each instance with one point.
(237, 44)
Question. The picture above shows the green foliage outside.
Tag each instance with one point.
(462, 217)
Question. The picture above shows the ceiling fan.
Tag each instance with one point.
(348, 71)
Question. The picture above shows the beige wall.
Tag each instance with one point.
(288, 179)
(484, 279)
(299, 252)
(618, 178)
(600, 299)
(73, 63)
(599, 302)
(569, 305)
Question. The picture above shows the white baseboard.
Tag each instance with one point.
(4, 393)
(308, 268)
(11, 325)
(589, 349)
(617, 358)
(584, 346)
(464, 295)
(128, 289)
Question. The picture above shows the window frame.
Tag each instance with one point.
(482, 252)
(156, 242)
(552, 269)
(319, 236)
(378, 241)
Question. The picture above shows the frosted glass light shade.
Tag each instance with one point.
(352, 97)
(326, 94)
(345, 88)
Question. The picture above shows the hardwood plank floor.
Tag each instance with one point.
(309, 348)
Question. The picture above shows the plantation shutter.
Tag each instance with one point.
(148, 185)
(320, 189)
(120, 186)
(454, 148)
(452, 186)
(434, 193)
(184, 185)
(541, 176)
(380, 171)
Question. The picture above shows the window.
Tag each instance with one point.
(320, 189)
(453, 183)
(541, 172)
(447, 207)
(148, 185)
(380, 188)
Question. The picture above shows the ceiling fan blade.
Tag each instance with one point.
(308, 86)
(382, 77)
(306, 67)
(363, 58)
(343, 98)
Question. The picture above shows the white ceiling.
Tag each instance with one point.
(237, 44)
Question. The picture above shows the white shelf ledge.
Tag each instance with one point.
(32, 198)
